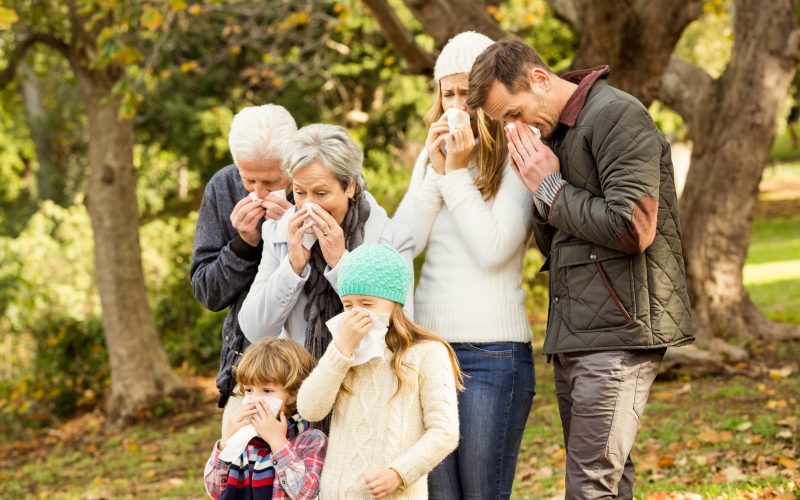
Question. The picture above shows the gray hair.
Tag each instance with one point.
(261, 133)
(330, 145)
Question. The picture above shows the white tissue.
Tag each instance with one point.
(237, 443)
(310, 237)
(455, 118)
(254, 197)
(373, 344)
(281, 193)
(536, 131)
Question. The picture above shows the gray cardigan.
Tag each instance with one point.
(223, 266)
(276, 303)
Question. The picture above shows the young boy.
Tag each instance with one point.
(276, 456)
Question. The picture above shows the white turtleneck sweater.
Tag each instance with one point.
(470, 288)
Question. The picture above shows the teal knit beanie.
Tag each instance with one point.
(377, 270)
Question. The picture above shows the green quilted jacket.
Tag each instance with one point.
(612, 238)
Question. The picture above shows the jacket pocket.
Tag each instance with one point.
(599, 287)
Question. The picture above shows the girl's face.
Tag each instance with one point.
(374, 304)
(315, 183)
(273, 390)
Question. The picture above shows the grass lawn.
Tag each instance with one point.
(729, 437)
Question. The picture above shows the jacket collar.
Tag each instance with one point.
(585, 79)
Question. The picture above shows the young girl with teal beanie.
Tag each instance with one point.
(390, 383)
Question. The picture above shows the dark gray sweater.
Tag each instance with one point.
(223, 268)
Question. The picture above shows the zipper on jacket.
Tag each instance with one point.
(607, 283)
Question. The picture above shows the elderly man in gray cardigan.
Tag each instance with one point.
(237, 200)
(295, 290)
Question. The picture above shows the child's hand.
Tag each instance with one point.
(239, 418)
(271, 430)
(355, 325)
(382, 483)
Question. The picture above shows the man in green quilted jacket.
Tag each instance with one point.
(606, 219)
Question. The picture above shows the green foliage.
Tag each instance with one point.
(68, 373)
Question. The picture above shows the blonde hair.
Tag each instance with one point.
(492, 147)
(402, 335)
(275, 361)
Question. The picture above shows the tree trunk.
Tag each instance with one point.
(49, 178)
(732, 122)
(635, 39)
(141, 376)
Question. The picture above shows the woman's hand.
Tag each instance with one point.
(330, 236)
(355, 325)
(269, 427)
(298, 254)
(436, 135)
(460, 145)
(382, 483)
(239, 418)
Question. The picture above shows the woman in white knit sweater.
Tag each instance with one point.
(473, 215)
(391, 386)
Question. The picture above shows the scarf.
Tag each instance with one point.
(251, 477)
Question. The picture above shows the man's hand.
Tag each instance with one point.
(355, 325)
(382, 483)
(531, 159)
(275, 207)
(245, 218)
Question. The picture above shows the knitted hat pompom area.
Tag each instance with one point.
(377, 270)
(460, 53)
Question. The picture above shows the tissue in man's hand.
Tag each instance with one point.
(237, 443)
(254, 197)
(281, 193)
(536, 131)
(373, 344)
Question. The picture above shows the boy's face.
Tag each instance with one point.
(374, 304)
(272, 390)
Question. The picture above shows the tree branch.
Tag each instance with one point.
(418, 59)
(16, 56)
(682, 86)
(566, 11)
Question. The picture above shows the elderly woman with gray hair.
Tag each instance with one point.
(295, 289)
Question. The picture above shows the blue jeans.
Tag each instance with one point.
(500, 384)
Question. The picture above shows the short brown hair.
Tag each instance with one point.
(275, 361)
(506, 60)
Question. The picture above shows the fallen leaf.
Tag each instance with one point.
(788, 463)
(666, 461)
(675, 446)
(787, 422)
(784, 434)
(782, 373)
(709, 436)
(733, 473)
(744, 426)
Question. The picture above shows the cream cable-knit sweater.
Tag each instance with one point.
(411, 433)
(470, 287)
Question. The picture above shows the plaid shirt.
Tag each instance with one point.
(298, 467)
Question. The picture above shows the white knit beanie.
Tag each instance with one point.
(460, 53)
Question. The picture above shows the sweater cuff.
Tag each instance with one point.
(244, 251)
(549, 187)
(334, 357)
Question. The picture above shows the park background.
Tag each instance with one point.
(114, 114)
